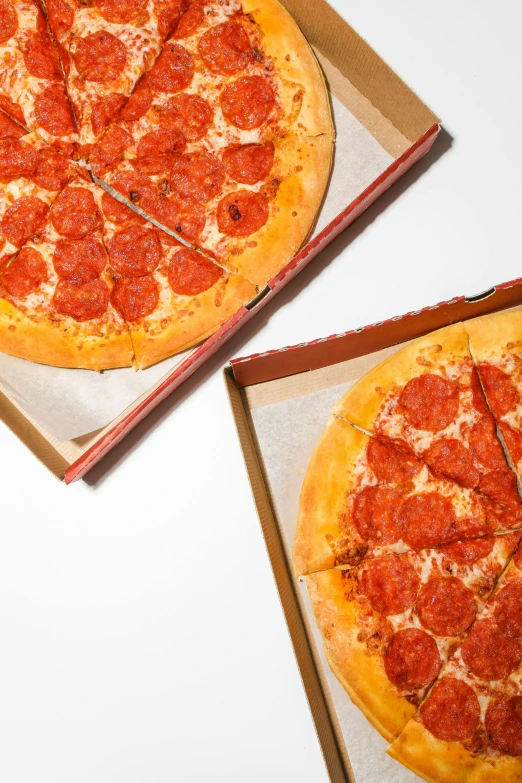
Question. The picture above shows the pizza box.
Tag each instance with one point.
(281, 402)
(70, 419)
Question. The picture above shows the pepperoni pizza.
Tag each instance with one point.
(209, 123)
(407, 538)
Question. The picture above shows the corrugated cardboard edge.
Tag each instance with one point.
(327, 728)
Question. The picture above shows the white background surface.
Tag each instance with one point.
(141, 637)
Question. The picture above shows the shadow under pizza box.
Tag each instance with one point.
(281, 401)
(382, 129)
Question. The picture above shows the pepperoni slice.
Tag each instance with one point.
(225, 48)
(485, 444)
(508, 609)
(503, 723)
(169, 14)
(500, 391)
(135, 251)
(189, 114)
(247, 102)
(79, 260)
(9, 129)
(139, 190)
(26, 274)
(191, 20)
(81, 301)
(489, 653)
(120, 11)
(249, 164)
(52, 169)
(452, 711)
(445, 606)
(517, 559)
(53, 112)
(375, 514)
(429, 402)
(390, 584)
(108, 152)
(412, 660)
(105, 110)
(22, 219)
(190, 273)
(100, 57)
(135, 297)
(12, 109)
(41, 56)
(501, 485)
(17, 159)
(8, 21)
(479, 401)
(184, 216)
(117, 212)
(199, 175)
(427, 520)
(138, 104)
(513, 441)
(468, 552)
(155, 151)
(74, 213)
(173, 70)
(451, 458)
(242, 213)
(61, 17)
(389, 464)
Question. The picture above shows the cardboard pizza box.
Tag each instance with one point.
(281, 401)
(70, 419)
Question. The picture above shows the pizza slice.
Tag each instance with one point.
(470, 725)
(172, 297)
(390, 624)
(32, 90)
(55, 294)
(363, 497)
(496, 343)
(427, 396)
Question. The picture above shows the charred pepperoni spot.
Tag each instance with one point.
(490, 653)
(501, 486)
(120, 11)
(156, 150)
(225, 48)
(135, 297)
(108, 152)
(173, 70)
(390, 584)
(117, 212)
(138, 104)
(429, 402)
(247, 102)
(445, 606)
(188, 114)
(74, 213)
(468, 552)
(375, 514)
(52, 170)
(134, 251)
(139, 190)
(79, 260)
(25, 275)
(8, 21)
(242, 213)
(508, 609)
(53, 112)
(389, 464)
(504, 724)
(485, 445)
(41, 56)
(17, 159)
(199, 175)
(81, 301)
(61, 17)
(249, 164)
(190, 273)
(427, 520)
(22, 219)
(451, 458)
(105, 110)
(184, 216)
(191, 20)
(100, 57)
(500, 391)
(452, 711)
(412, 660)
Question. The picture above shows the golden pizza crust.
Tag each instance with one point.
(191, 320)
(362, 402)
(330, 476)
(438, 761)
(303, 88)
(302, 167)
(494, 336)
(55, 342)
(361, 674)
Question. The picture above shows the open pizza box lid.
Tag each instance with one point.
(71, 418)
(281, 402)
